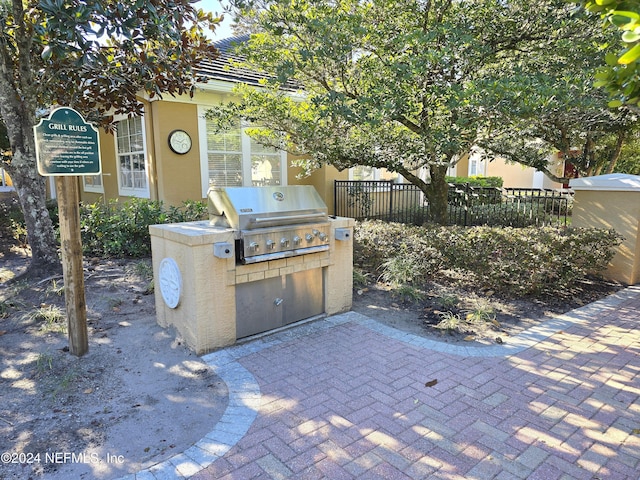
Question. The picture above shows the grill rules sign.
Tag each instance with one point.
(66, 145)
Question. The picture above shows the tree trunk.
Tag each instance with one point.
(615, 154)
(436, 192)
(30, 187)
(439, 194)
(18, 103)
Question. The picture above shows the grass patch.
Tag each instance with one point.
(52, 317)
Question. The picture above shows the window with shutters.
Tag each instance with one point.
(224, 156)
(232, 158)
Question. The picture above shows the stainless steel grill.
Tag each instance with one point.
(271, 222)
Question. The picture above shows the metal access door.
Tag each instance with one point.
(274, 302)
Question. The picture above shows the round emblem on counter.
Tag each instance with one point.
(170, 282)
(279, 196)
(180, 142)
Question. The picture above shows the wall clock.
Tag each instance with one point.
(180, 142)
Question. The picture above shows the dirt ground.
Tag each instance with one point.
(481, 317)
(139, 396)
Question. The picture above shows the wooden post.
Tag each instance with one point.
(71, 247)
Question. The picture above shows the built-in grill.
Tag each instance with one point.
(267, 258)
(271, 222)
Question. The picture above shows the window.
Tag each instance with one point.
(477, 165)
(224, 156)
(131, 158)
(231, 158)
(364, 173)
(371, 174)
(92, 183)
(266, 168)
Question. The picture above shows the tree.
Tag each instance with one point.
(397, 84)
(547, 103)
(95, 56)
(621, 76)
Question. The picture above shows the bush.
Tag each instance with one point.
(12, 221)
(109, 229)
(524, 261)
(114, 230)
(477, 181)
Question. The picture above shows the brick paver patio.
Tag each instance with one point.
(347, 397)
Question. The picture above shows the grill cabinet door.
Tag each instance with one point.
(258, 306)
(274, 302)
(303, 295)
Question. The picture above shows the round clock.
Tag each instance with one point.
(180, 142)
(170, 282)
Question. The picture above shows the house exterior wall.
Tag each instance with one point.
(515, 175)
(323, 181)
(174, 178)
(177, 176)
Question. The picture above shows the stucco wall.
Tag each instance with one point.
(513, 175)
(178, 176)
(323, 181)
(620, 211)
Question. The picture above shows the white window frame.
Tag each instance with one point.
(245, 142)
(93, 188)
(374, 170)
(133, 191)
(475, 157)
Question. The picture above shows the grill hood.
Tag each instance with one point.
(248, 208)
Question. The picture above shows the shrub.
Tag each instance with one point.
(112, 229)
(109, 229)
(517, 261)
(532, 260)
(12, 221)
(477, 181)
(392, 248)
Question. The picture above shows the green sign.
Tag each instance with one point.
(67, 145)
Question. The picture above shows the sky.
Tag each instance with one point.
(216, 6)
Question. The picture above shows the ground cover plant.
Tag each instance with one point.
(472, 280)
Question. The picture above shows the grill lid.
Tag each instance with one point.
(248, 208)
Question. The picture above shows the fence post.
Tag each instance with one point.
(467, 201)
(391, 193)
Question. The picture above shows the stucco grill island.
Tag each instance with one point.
(267, 258)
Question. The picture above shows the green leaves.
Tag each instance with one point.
(630, 55)
(622, 77)
(99, 54)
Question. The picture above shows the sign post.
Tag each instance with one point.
(66, 147)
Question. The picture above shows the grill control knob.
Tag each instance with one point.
(308, 237)
(297, 240)
(315, 231)
(322, 236)
(271, 244)
(254, 246)
(284, 242)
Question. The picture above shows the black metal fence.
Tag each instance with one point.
(468, 205)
